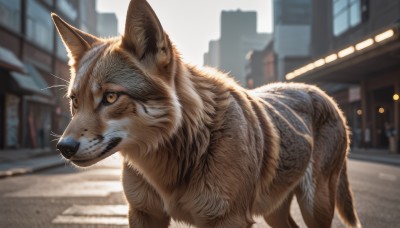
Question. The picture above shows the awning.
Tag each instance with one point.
(23, 84)
(365, 58)
(10, 62)
(31, 84)
(39, 81)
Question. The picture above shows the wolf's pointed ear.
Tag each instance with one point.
(144, 35)
(75, 40)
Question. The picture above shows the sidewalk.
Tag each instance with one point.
(18, 162)
(375, 155)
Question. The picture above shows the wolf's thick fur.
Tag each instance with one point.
(197, 147)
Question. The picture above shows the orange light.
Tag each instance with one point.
(330, 58)
(359, 112)
(290, 76)
(346, 52)
(319, 62)
(364, 44)
(385, 35)
(381, 110)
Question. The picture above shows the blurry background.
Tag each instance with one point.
(350, 48)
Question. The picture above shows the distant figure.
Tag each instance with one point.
(391, 133)
(367, 137)
(357, 137)
(41, 137)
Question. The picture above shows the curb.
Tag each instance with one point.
(29, 169)
(376, 159)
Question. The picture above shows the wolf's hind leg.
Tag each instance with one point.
(319, 212)
(281, 217)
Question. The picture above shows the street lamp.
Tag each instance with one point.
(396, 97)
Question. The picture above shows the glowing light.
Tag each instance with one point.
(330, 58)
(359, 112)
(290, 76)
(310, 67)
(384, 36)
(341, 54)
(381, 110)
(364, 44)
(319, 62)
(396, 97)
(346, 52)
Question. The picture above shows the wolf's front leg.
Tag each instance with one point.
(139, 219)
(146, 208)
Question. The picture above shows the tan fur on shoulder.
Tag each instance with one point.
(197, 147)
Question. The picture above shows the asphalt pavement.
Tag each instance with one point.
(14, 163)
(68, 197)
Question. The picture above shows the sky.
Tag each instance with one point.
(191, 24)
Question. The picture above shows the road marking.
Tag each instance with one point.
(386, 176)
(94, 214)
(67, 219)
(112, 215)
(97, 210)
(74, 189)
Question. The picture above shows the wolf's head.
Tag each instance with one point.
(121, 89)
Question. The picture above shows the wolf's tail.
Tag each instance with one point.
(345, 202)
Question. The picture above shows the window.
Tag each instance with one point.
(346, 14)
(12, 121)
(39, 27)
(68, 8)
(10, 14)
(294, 12)
(48, 2)
(61, 51)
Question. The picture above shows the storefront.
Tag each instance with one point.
(368, 72)
(38, 116)
(25, 107)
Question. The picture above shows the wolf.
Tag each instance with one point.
(196, 146)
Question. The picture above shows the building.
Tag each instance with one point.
(107, 25)
(34, 69)
(212, 57)
(238, 37)
(356, 50)
(292, 34)
(261, 67)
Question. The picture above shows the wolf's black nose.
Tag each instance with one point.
(68, 147)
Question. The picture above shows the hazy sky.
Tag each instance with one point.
(191, 24)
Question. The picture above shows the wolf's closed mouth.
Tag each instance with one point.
(111, 144)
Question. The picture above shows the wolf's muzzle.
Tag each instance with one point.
(68, 147)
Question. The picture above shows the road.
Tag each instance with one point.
(67, 197)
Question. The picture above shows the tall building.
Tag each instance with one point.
(261, 67)
(107, 24)
(238, 37)
(33, 58)
(292, 34)
(355, 49)
(212, 57)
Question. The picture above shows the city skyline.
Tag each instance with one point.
(191, 30)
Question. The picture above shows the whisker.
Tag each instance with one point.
(54, 134)
(60, 78)
(55, 86)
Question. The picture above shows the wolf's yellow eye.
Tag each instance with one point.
(110, 98)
